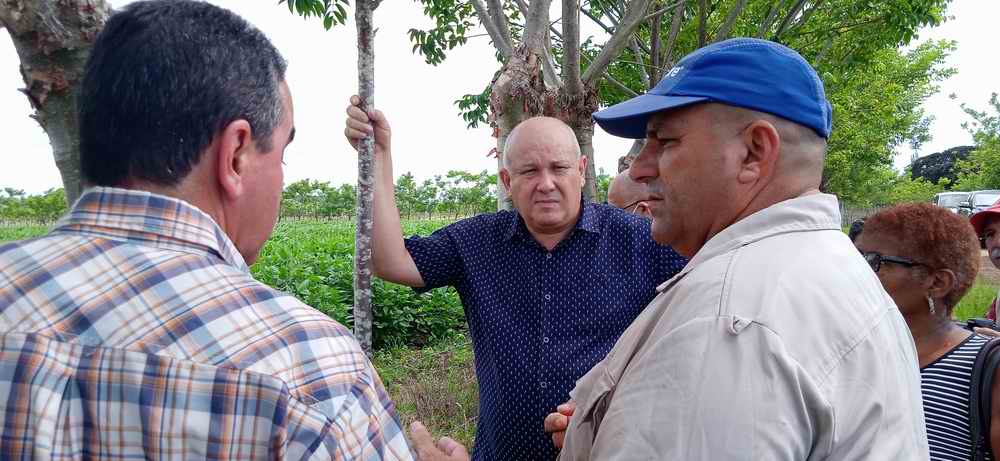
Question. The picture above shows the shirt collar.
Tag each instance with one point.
(588, 221)
(152, 219)
(807, 213)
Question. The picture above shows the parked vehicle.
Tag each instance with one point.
(978, 201)
(951, 200)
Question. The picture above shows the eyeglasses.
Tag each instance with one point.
(875, 260)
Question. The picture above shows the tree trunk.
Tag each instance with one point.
(53, 40)
(585, 136)
(363, 315)
(518, 93)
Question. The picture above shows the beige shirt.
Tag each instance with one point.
(776, 342)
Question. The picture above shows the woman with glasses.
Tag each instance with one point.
(927, 258)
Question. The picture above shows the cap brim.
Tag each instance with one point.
(628, 119)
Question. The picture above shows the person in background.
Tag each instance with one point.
(547, 288)
(987, 225)
(625, 193)
(927, 258)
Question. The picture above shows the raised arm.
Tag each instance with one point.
(390, 258)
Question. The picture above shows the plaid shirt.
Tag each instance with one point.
(135, 330)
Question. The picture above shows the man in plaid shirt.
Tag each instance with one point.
(134, 329)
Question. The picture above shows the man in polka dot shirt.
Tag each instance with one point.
(547, 289)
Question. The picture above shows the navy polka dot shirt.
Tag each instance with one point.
(539, 320)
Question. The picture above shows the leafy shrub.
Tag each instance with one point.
(8, 233)
(314, 262)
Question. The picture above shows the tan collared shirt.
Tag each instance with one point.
(776, 342)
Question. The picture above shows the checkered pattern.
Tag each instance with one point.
(134, 330)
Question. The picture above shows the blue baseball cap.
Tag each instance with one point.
(744, 72)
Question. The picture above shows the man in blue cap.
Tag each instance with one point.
(777, 340)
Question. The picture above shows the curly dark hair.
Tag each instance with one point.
(934, 236)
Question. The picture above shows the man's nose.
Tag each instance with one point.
(643, 168)
(546, 181)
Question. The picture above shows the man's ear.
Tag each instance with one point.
(762, 144)
(233, 146)
(505, 179)
(583, 169)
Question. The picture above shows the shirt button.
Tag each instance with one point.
(548, 297)
(543, 384)
(548, 255)
(545, 340)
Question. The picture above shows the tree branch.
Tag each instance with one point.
(788, 18)
(654, 50)
(571, 46)
(499, 41)
(643, 73)
(523, 7)
(621, 86)
(661, 11)
(727, 26)
(675, 27)
(826, 49)
(549, 65)
(597, 20)
(702, 22)
(618, 41)
(536, 24)
(805, 16)
(495, 10)
(772, 14)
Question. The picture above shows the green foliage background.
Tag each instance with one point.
(314, 262)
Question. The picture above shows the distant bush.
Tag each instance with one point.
(15, 205)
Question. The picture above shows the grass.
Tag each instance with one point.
(21, 232)
(976, 301)
(435, 384)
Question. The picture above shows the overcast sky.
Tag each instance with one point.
(429, 137)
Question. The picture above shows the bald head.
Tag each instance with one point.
(546, 133)
(625, 192)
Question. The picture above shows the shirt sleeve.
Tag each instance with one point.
(367, 426)
(701, 392)
(438, 257)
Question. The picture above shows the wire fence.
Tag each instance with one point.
(26, 222)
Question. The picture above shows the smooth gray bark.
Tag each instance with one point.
(363, 314)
